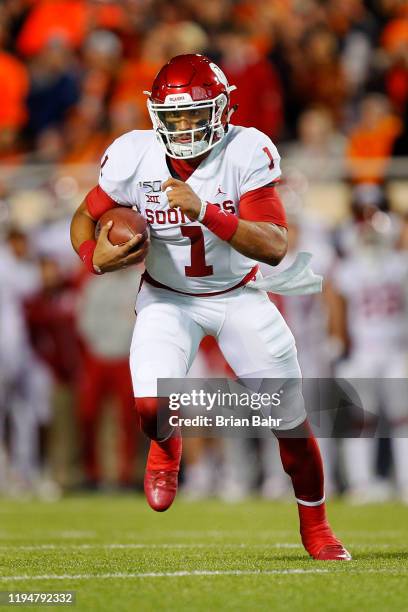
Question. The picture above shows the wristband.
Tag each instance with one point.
(222, 224)
(86, 251)
(202, 211)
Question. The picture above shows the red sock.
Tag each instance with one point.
(312, 516)
(302, 461)
(165, 455)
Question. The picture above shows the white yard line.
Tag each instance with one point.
(183, 574)
(40, 533)
(34, 547)
(182, 535)
(180, 574)
(274, 532)
(172, 545)
(129, 545)
(215, 533)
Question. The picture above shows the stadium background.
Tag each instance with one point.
(327, 81)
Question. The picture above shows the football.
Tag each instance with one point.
(126, 224)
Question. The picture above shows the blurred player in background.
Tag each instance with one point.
(105, 323)
(309, 319)
(372, 307)
(27, 379)
(211, 221)
(13, 353)
(50, 317)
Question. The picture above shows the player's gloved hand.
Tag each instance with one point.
(108, 257)
(180, 195)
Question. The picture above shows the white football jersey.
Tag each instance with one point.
(184, 254)
(375, 289)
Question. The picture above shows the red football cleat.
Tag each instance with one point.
(322, 544)
(317, 535)
(333, 552)
(160, 488)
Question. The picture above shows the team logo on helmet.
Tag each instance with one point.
(220, 74)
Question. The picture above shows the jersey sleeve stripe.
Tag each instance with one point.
(98, 202)
(263, 204)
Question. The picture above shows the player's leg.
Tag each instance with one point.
(122, 388)
(165, 342)
(40, 389)
(258, 344)
(23, 437)
(29, 414)
(394, 396)
(275, 483)
(359, 452)
(90, 393)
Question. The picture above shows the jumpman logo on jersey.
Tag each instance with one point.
(220, 191)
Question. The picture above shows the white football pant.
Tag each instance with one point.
(251, 334)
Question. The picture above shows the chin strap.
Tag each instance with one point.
(298, 279)
(231, 112)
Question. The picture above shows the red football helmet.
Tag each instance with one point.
(186, 85)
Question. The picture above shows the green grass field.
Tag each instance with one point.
(117, 555)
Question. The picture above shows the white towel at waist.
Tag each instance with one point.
(298, 279)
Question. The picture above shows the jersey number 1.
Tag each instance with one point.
(269, 154)
(198, 266)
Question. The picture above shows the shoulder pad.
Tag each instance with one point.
(121, 159)
(256, 156)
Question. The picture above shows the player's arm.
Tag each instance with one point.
(100, 255)
(259, 233)
(262, 241)
(336, 304)
(82, 226)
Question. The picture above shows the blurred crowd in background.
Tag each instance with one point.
(328, 82)
(73, 71)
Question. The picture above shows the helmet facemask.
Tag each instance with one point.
(189, 143)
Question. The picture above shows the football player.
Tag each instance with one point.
(372, 309)
(207, 189)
